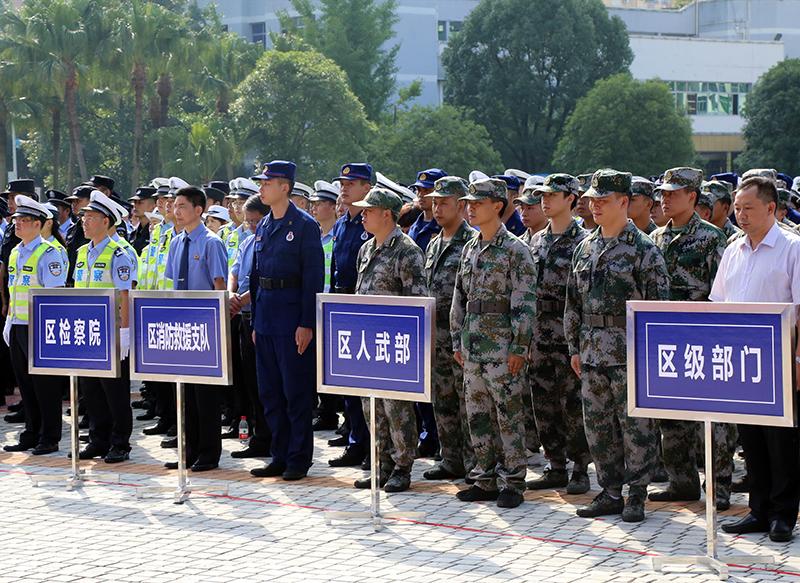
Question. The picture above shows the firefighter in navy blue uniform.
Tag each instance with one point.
(348, 237)
(287, 275)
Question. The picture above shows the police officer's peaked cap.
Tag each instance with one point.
(28, 207)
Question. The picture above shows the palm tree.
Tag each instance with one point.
(13, 105)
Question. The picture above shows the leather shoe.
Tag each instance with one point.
(157, 429)
(19, 447)
(273, 470)
(117, 455)
(293, 475)
(171, 465)
(366, 483)
(170, 443)
(146, 416)
(232, 433)
(477, 494)
(780, 531)
(670, 495)
(45, 448)
(746, 525)
(204, 467)
(439, 472)
(18, 417)
(352, 457)
(89, 452)
(341, 441)
(15, 407)
(324, 424)
(250, 452)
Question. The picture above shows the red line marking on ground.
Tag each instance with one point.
(441, 525)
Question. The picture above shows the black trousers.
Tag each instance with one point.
(236, 400)
(109, 405)
(773, 471)
(262, 437)
(41, 395)
(7, 381)
(164, 395)
(203, 424)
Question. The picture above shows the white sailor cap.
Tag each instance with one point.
(154, 215)
(303, 190)
(476, 175)
(324, 190)
(119, 210)
(532, 182)
(161, 185)
(383, 181)
(242, 187)
(176, 184)
(28, 207)
(52, 209)
(100, 203)
(216, 211)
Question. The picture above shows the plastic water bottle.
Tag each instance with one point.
(244, 431)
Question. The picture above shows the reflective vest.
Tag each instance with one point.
(149, 260)
(128, 248)
(232, 245)
(20, 283)
(160, 281)
(143, 272)
(225, 231)
(99, 274)
(327, 250)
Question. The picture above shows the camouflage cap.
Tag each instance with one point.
(531, 197)
(487, 188)
(560, 183)
(716, 190)
(784, 197)
(607, 181)
(681, 177)
(641, 186)
(584, 182)
(449, 186)
(770, 173)
(381, 198)
(704, 199)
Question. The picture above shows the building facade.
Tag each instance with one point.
(710, 53)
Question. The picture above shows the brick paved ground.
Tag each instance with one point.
(270, 530)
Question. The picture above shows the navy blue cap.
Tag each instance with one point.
(143, 193)
(427, 178)
(729, 177)
(56, 197)
(82, 191)
(356, 171)
(214, 194)
(21, 186)
(277, 169)
(512, 182)
(220, 185)
(787, 180)
(4, 209)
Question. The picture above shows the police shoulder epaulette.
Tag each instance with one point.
(50, 248)
(117, 251)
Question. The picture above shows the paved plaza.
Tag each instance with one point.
(271, 530)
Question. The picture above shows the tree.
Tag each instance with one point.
(773, 120)
(298, 106)
(425, 137)
(522, 65)
(626, 124)
(353, 34)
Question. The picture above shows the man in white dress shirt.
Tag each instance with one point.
(764, 266)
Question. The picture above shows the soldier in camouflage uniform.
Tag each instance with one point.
(441, 265)
(704, 207)
(719, 193)
(692, 249)
(490, 321)
(614, 264)
(641, 204)
(390, 264)
(582, 206)
(556, 391)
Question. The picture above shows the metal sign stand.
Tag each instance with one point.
(77, 477)
(711, 559)
(374, 514)
(184, 489)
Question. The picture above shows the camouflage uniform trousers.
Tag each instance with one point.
(683, 445)
(532, 438)
(450, 410)
(557, 403)
(496, 425)
(623, 448)
(395, 432)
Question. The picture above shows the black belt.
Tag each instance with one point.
(604, 321)
(272, 283)
(344, 290)
(551, 306)
(488, 307)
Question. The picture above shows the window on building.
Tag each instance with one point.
(441, 31)
(709, 97)
(258, 33)
(456, 26)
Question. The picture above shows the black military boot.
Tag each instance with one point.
(602, 505)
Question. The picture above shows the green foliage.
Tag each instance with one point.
(522, 65)
(626, 124)
(425, 137)
(773, 120)
(352, 33)
(298, 106)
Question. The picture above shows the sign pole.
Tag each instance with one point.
(711, 558)
(184, 489)
(374, 467)
(74, 437)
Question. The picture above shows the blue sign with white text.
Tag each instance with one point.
(710, 362)
(73, 331)
(178, 336)
(371, 346)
